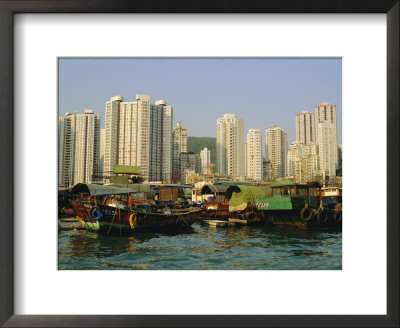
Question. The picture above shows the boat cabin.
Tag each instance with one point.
(108, 195)
(311, 191)
(331, 197)
(295, 189)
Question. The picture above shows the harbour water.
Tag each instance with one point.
(205, 248)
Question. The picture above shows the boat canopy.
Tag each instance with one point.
(135, 187)
(214, 189)
(230, 183)
(241, 194)
(284, 183)
(101, 190)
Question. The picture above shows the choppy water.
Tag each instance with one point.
(206, 248)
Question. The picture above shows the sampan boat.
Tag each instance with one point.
(111, 209)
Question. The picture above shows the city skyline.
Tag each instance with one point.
(263, 92)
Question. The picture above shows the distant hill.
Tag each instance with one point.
(196, 144)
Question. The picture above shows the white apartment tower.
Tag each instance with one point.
(305, 127)
(327, 113)
(179, 146)
(160, 160)
(254, 155)
(327, 147)
(205, 158)
(102, 151)
(111, 134)
(79, 148)
(230, 146)
(139, 133)
(276, 151)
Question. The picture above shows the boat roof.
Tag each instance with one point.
(233, 183)
(211, 189)
(248, 191)
(284, 183)
(101, 190)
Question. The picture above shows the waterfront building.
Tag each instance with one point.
(267, 170)
(205, 157)
(160, 161)
(307, 165)
(327, 113)
(102, 151)
(254, 155)
(111, 134)
(64, 153)
(305, 127)
(245, 158)
(188, 161)
(139, 133)
(294, 153)
(276, 151)
(230, 145)
(327, 146)
(79, 147)
(340, 156)
(180, 146)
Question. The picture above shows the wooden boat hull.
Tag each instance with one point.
(125, 220)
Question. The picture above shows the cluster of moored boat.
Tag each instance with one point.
(113, 208)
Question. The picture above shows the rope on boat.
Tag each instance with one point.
(181, 218)
(133, 223)
(119, 221)
(115, 213)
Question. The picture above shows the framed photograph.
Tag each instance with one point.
(54, 52)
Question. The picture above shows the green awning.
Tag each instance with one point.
(101, 190)
(245, 194)
(126, 169)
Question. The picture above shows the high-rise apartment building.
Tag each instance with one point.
(254, 155)
(179, 146)
(205, 158)
(230, 146)
(303, 161)
(305, 127)
(79, 148)
(327, 113)
(111, 134)
(294, 153)
(139, 133)
(188, 162)
(102, 149)
(245, 158)
(327, 147)
(276, 150)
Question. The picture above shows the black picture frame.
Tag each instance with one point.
(10, 7)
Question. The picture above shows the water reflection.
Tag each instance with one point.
(205, 248)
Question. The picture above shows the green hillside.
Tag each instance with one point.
(196, 144)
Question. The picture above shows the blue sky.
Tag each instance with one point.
(262, 91)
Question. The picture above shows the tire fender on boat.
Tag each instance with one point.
(337, 217)
(252, 217)
(95, 214)
(322, 216)
(306, 213)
